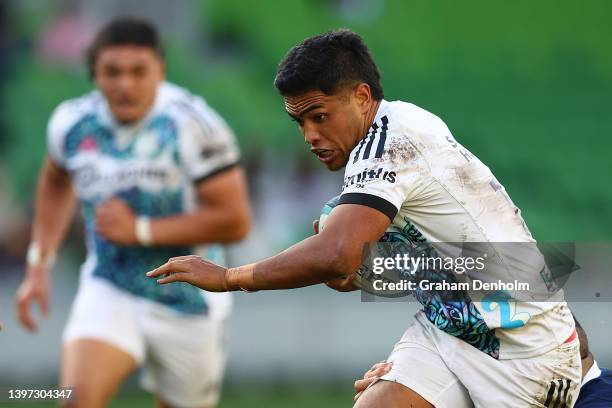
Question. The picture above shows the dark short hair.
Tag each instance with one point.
(123, 31)
(328, 62)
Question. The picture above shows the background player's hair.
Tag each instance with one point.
(328, 62)
(123, 31)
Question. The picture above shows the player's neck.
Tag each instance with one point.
(369, 118)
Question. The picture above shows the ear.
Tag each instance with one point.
(363, 96)
(162, 69)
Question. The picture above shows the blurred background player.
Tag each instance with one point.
(156, 172)
(404, 168)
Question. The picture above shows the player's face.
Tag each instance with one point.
(128, 77)
(331, 124)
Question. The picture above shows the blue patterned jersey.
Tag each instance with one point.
(152, 165)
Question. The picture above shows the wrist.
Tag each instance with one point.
(240, 278)
(142, 231)
(38, 258)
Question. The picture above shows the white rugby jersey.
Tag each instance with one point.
(153, 166)
(411, 168)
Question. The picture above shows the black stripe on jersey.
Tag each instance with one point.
(558, 399)
(366, 152)
(358, 152)
(551, 392)
(564, 402)
(383, 138)
(215, 172)
(369, 200)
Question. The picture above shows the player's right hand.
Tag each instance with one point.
(370, 376)
(34, 288)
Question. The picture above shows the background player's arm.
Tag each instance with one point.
(335, 251)
(54, 208)
(224, 214)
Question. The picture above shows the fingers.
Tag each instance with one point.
(165, 269)
(371, 376)
(176, 264)
(362, 385)
(378, 370)
(23, 313)
(176, 277)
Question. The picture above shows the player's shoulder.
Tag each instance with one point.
(181, 102)
(408, 118)
(397, 127)
(188, 108)
(71, 111)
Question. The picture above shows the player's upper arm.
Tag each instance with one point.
(54, 175)
(347, 229)
(227, 191)
(62, 118)
(210, 157)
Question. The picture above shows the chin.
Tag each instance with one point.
(127, 117)
(336, 165)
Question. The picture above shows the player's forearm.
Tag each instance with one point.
(206, 225)
(312, 261)
(53, 210)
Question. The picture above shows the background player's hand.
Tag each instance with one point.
(34, 288)
(373, 374)
(194, 270)
(116, 222)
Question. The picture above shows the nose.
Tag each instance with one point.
(125, 82)
(311, 135)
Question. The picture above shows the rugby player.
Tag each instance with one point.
(403, 167)
(156, 173)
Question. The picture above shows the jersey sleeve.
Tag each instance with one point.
(58, 126)
(207, 144)
(384, 170)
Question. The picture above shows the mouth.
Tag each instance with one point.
(125, 104)
(324, 155)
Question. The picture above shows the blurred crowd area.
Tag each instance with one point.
(526, 86)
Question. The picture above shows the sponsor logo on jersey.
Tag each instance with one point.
(360, 179)
(90, 177)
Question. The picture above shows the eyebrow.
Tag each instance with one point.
(305, 111)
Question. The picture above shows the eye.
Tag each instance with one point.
(139, 72)
(319, 117)
(111, 72)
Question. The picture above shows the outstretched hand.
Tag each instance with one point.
(192, 269)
